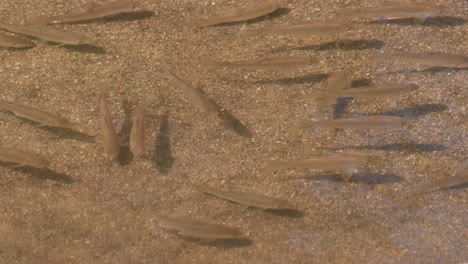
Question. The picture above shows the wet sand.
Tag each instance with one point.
(88, 209)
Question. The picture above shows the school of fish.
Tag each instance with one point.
(338, 84)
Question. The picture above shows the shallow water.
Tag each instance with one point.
(89, 209)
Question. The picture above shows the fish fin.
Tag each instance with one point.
(42, 43)
(347, 174)
(407, 122)
(420, 20)
(40, 125)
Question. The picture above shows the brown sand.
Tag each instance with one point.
(87, 209)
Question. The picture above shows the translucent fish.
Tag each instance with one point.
(48, 34)
(109, 140)
(195, 96)
(338, 81)
(198, 229)
(106, 9)
(383, 89)
(366, 123)
(36, 115)
(430, 59)
(243, 14)
(418, 11)
(305, 29)
(346, 163)
(23, 158)
(442, 183)
(137, 133)
(248, 199)
(12, 41)
(282, 62)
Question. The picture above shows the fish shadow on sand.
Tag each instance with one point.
(231, 122)
(130, 16)
(222, 243)
(459, 186)
(292, 213)
(162, 154)
(344, 45)
(85, 48)
(441, 69)
(279, 12)
(45, 174)
(375, 178)
(435, 69)
(18, 49)
(342, 103)
(60, 132)
(362, 177)
(125, 156)
(416, 111)
(440, 21)
(122, 17)
(67, 133)
(308, 78)
(401, 147)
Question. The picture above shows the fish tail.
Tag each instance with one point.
(198, 24)
(273, 166)
(406, 122)
(165, 67)
(211, 64)
(303, 126)
(104, 88)
(203, 188)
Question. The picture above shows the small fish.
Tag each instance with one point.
(418, 11)
(199, 229)
(195, 96)
(338, 81)
(36, 115)
(442, 183)
(137, 134)
(429, 59)
(383, 89)
(109, 140)
(371, 122)
(48, 34)
(263, 65)
(243, 14)
(305, 29)
(248, 199)
(346, 163)
(23, 158)
(106, 9)
(12, 41)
